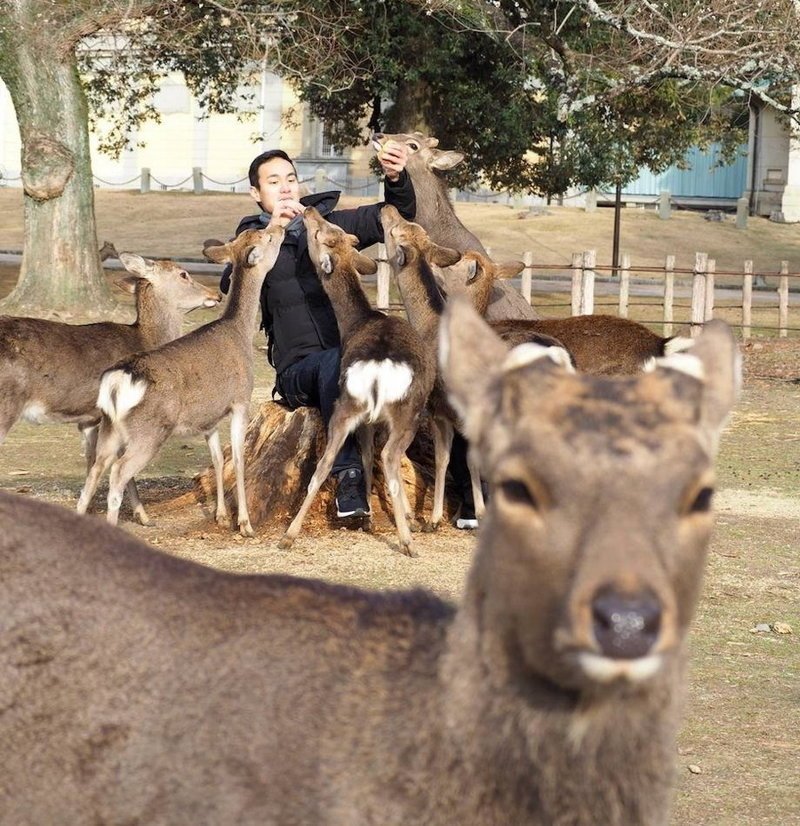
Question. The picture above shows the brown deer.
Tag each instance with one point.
(436, 215)
(412, 255)
(386, 372)
(188, 385)
(599, 344)
(50, 371)
(137, 687)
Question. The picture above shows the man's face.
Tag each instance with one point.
(277, 181)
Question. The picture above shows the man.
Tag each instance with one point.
(302, 334)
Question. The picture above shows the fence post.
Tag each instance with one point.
(527, 275)
(624, 284)
(711, 268)
(382, 297)
(319, 180)
(591, 201)
(669, 293)
(747, 299)
(577, 271)
(742, 208)
(664, 204)
(783, 299)
(699, 292)
(587, 285)
(145, 179)
(197, 180)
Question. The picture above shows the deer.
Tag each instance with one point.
(50, 370)
(435, 213)
(412, 255)
(108, 250)
(386, 374)
(599, 344)
(188, 386)
(136, 686)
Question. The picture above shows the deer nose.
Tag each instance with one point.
(377, 136)
(626, 626)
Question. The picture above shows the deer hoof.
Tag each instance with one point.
(430, 527)
(408, 550)
(286, 542)
(142, 518)
(246, 529)
(223, 520)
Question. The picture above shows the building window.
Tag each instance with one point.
(326, 148)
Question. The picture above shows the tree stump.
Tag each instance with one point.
(282, 448)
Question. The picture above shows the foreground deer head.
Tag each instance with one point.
(329, 245)
(600, 510)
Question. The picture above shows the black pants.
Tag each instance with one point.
(314, 382)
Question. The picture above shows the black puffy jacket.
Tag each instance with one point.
(295, 311)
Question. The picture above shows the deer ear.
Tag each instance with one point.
(136, 264)
(253, 255)
(444, 160)
(716, 361)
(400, 256)
(470, 358)
(364, 264)
(127, 284)
(326, 263)
(442, 256)
(219, 255)
(509, 269)
(472, 270)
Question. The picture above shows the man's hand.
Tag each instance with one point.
(393, 158)
(285, 210)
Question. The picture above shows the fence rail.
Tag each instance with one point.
(703, 290)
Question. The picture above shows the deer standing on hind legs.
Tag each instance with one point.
(387, 372)
(188, 385)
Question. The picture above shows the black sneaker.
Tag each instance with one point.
(351, 498)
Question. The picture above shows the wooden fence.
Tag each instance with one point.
(701, 280)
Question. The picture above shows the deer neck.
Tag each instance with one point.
(157, 321)
(349, 301)
(435, 212)
(243, 301)
(421, 296)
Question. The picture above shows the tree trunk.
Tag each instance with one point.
(61, 271)
(282, 449)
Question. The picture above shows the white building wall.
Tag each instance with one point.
(222, 146)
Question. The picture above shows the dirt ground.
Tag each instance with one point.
(741, 734)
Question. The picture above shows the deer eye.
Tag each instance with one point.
(702, 502)
(518, 493)
(184, 275)
(413, 146)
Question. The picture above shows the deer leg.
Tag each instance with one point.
(89, 436)
(442, 443)
(135, 456)
(107, 444)
(391, 455)
(477, 490)
(366, 445)
(238, 428)
(217, 460)
(139, 513)
(345, 420)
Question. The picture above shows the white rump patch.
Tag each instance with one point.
(36, 413)
(606, 670)
(377, 383)
(682, 362)
(530, 352)
(119, 394)
(679, 344)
